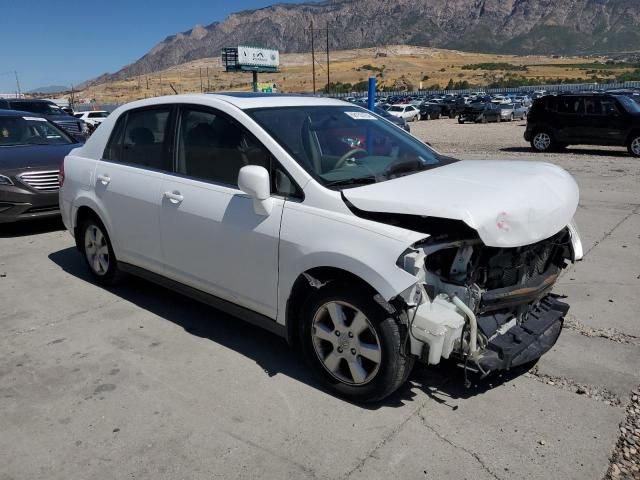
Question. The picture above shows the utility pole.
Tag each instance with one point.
(17, 83)
(313, 59)
(201, 86)
(161, 91)
(208, 81)
(328, 74)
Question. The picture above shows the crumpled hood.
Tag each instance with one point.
(509, 203)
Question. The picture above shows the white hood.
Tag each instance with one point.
(509, 203)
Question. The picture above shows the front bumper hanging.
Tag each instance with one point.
(526, 342)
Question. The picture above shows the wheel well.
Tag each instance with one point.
(302, 289)
(81, 216)
(632, 135)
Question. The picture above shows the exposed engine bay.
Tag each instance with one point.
(490, 306)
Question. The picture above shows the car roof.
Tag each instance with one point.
(18, 113)
(243, 100)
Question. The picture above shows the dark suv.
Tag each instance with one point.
(587, 119)
(49, 110)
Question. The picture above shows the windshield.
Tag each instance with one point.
(629, 104)
(396, 108)
(30, 131)
(345, 146)
(98, 115)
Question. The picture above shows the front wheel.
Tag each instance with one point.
(98, 253)
(352, 344)
(542, 142)
(634, 146)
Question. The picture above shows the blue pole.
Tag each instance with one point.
(372, 93)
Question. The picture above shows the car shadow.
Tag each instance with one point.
(30, 227)
(573, 151)
(443, 383)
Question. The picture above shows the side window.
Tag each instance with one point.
(213, 147)
(570, 105)
(140, 138)
(605, 106)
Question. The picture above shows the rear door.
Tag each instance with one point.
(569, 119)
(128, 180)
(211, 236)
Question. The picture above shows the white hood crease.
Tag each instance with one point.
(509, 203)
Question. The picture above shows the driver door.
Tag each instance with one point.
(212, 239)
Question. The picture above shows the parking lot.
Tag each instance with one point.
(139, 382)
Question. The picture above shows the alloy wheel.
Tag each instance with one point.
(635, 146)
(542, 141)
(96, 250)
(346, 343)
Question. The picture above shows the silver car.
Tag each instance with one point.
(512, 111)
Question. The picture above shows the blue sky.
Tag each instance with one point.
(59, 43)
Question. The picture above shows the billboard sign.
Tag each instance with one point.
(258, 57)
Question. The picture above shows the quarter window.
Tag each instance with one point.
(140, 138)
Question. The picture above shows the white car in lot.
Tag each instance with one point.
(94, 117)
(410, 113)
(325, 224)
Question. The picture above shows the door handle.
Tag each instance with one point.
(173, 197)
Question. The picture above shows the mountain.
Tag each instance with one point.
(50, 89)
(491, 26)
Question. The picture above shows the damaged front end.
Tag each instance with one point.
(490, 307)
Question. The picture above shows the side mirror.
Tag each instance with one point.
(254, 181)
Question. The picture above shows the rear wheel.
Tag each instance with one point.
(98, 252)
(352, 344)
(460, 120)
(634, 145)
(542, 142)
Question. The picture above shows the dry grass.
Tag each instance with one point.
(400, 64)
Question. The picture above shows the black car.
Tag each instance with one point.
(48, 110)
(586, 119)
(480, 113)
(430, 111)
(31, 151)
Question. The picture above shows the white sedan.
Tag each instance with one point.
(328, 225)
(409, 112)
(94, 117)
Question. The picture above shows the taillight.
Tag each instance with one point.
(61, 174)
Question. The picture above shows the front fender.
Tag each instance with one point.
(361, 247)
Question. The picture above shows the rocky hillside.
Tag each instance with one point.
(498, 26)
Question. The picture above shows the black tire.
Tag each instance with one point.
(634, 145)
(104, 276)
(393, 369)
(460, 120)
(435, 116)
(452, 115)
(484, 119)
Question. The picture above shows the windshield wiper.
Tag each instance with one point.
(352, 181)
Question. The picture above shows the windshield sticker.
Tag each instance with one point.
(360, 115)
(35, 119)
